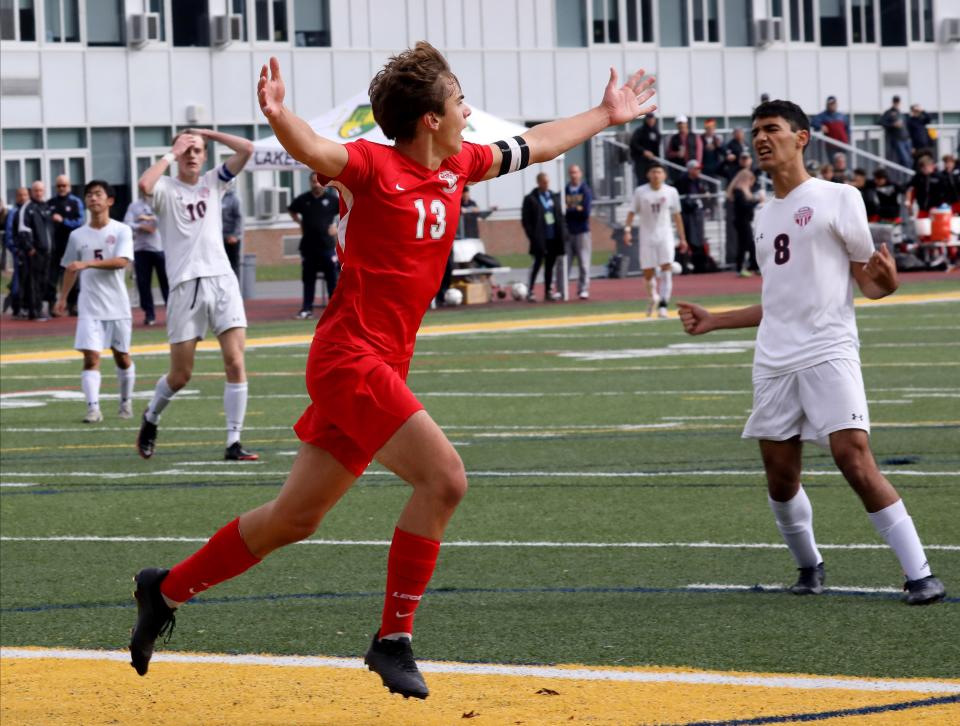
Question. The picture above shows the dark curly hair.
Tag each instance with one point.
(412, 83)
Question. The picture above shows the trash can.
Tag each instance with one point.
(248, 277)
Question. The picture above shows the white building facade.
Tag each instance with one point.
(96, 88)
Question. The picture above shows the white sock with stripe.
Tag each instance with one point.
(795, 522)
(161, 397)
(90, 384)
(126, 377)
(666, 289)
(896, 527)
(235, 409)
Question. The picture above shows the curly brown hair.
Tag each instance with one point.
(412, 83)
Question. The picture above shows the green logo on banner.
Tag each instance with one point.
(359, 123)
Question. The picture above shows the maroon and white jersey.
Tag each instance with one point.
(805, 243)
(103, 293)
(191, 226)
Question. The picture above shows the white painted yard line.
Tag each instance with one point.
(494, 669)
(778, 586)
(18, 484)
(127, 429)
(484, 544)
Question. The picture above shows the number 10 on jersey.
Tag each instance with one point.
(438, 211)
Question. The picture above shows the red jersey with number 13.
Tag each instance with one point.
(398, 220)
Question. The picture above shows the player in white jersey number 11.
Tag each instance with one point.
(813, 242)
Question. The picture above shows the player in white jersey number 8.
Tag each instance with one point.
(813, 242)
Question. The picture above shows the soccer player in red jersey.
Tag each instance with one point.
(400, 208)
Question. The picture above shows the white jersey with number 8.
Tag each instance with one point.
(805, 243)
(191, 226)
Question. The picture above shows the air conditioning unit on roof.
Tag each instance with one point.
(272, 202)
(144, 28)
(226, 29)
(767, 31)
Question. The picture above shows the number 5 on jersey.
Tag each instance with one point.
(440, 214)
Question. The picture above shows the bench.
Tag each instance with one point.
(476, 281)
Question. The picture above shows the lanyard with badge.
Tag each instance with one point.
(546, 200)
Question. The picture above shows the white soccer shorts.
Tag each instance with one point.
(812, 403)
(93, 334)
(202, 303)
(656, 254)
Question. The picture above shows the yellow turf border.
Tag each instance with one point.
(495, 326)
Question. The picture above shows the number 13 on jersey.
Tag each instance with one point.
(438, 211)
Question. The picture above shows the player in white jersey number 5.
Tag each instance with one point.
(99, 253)
(203, 289)
(813, 242)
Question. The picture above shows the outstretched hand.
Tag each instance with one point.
(881, 268)
(270, 89)
(696, 320)
(626, 103)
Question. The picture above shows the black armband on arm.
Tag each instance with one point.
(516, 155)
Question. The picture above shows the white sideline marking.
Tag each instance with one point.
(18, 484)
(778, 586)
(492, 669)
(492, 543)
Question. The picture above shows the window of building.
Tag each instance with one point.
(738, 19)
(110, 161)
(152, 136)
(160, 8)
(19, 172)
(640, 21)
(706, 21)
(311, 23)
(105, 22)
(66, 138)
(606, 21)
(833, 23)
(673, 24)
(191, 23)
(571, 23)
(271, 19)
(18, 139)
(921, 21)
(17, 20)
(893, 22)
(802, 24)
(863, 21)
(61, 21)
(75, 167)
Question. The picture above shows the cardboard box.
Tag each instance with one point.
(474, 293)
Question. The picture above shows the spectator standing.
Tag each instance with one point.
(740, 193)
(579, 199)
(33, 235)
(67, 213)
(832, 123)
(645, 146)
(14, 291)
(684, 145)
(736, 146)
(917, 127)
(147, 256)
(232, 220)
(713, 149)
(691, 187)
(470, 216)
(4, 213)
(316, 212)
(99, 252)
(950, 182)
(840, 175)
(896, 135)
(826, 172)
(865, 187)
(888, 198)
(539, 217)
(926, 188)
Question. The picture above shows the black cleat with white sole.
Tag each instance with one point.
(147, 438)
(925, 591)
(154, 618)
(393, 661)
(810, 581)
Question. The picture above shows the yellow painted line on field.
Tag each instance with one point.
(495, 326)
(99, 687)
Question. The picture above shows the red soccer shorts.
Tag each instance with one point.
(357, 403)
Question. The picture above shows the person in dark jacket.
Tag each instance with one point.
(67, 213)
(693, 202)
(546, 232)
(645, 146)
(579, 199)
(684, 145)
(33, 238)
(740, 193)
(888, 198)
(926, 187)
(917, 128)
(13, 299)
(317, 212)
(950, 182)
(897, 137)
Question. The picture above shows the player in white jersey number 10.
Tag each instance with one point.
(813, 242)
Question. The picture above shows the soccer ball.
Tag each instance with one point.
(453, 296)
(676, 267)
(519, 291)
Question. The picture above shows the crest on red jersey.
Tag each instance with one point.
(803, 216)
(450, 179)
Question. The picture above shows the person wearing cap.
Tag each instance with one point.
(645, 146)
(684, 145)
(896, 136)
(832, 123)
(692, 188)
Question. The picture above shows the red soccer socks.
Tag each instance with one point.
(410, 565)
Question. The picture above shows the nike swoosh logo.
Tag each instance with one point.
(404, 615)
(399, 188)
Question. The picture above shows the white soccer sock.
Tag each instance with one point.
(795, 522)
(896, 527)
(667, 287)
(90, 384)
(161, 397)
(126, 377)
(235, 409)
(652, 287)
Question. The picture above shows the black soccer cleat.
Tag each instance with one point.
(393, 661)
(236, 452)
(154, 618)
(925, 591)
(810, 581)
(147, 438)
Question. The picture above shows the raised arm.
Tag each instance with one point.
(149, 178)
(242, 148)
(547, 141)
(294, 134)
